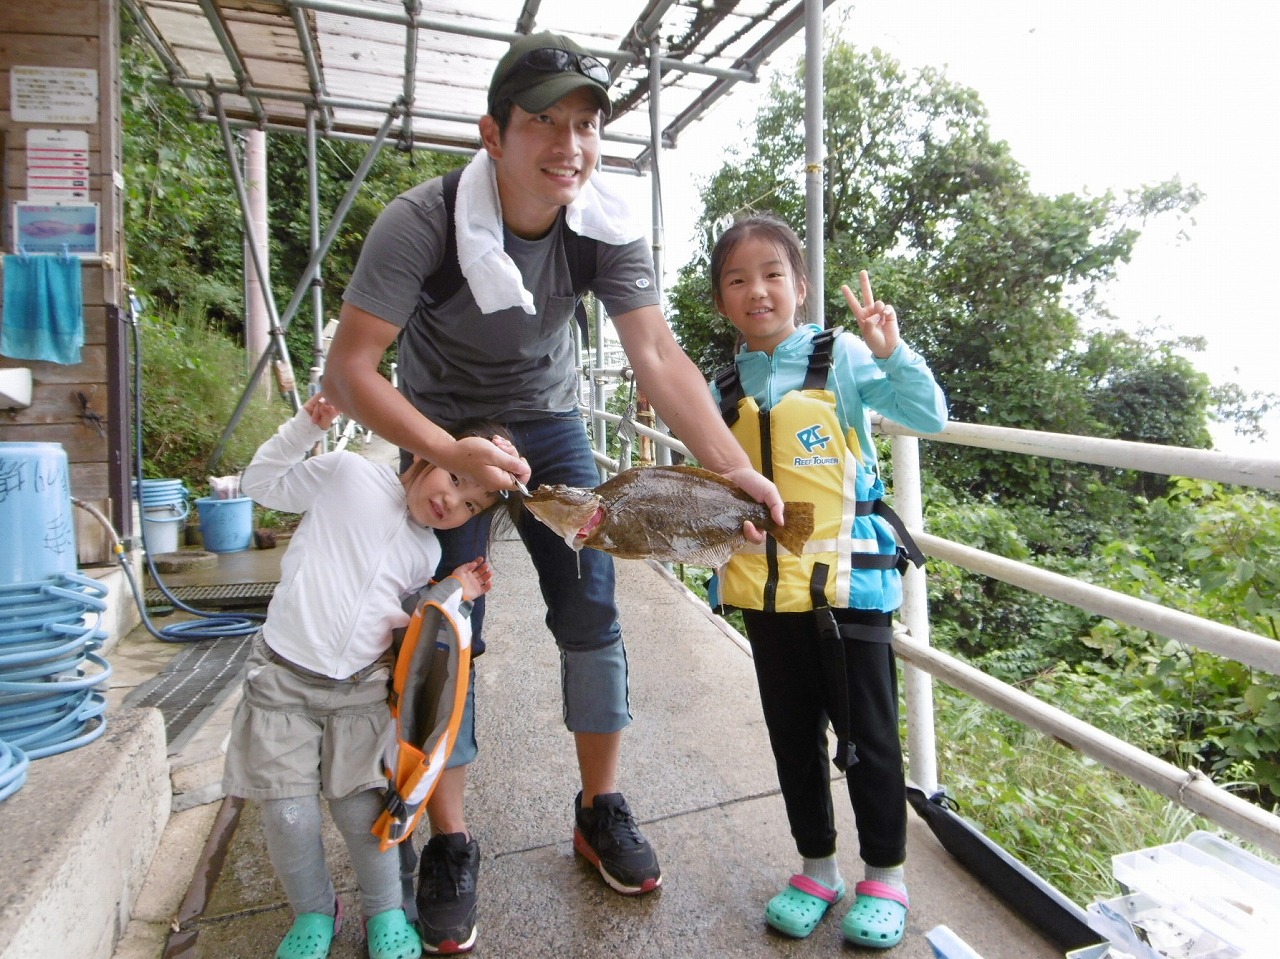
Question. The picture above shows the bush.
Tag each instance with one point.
(192, 379)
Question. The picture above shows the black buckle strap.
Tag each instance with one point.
(731, 393)
(908, 551)
(831, 650)
(815, 377)
(395, 806)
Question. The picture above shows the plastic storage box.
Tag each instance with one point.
(1203, 898)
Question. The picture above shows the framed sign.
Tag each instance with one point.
(55, 228)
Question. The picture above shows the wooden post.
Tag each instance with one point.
(83, 406)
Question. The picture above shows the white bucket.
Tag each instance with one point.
(160, 528)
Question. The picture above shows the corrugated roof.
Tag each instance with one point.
(353, 61)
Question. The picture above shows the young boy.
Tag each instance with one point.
(315, 694)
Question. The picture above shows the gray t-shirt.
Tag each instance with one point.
(456, 362)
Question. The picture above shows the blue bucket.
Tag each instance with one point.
(226, 525)
(35, 512)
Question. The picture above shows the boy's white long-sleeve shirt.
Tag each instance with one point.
(355, 556)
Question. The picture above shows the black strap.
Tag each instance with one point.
(729, 385)
(447, 280)
(867, 633)
(834, 670)
(909, 548)
(773, 574)
(815, 377)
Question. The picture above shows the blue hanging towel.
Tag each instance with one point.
(43, 309)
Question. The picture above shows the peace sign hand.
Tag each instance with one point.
(877, 320)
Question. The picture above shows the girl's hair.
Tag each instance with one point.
(765, 226)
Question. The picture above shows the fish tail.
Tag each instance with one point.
(799, 528)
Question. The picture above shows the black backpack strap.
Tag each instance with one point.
(447, 280)
(731, 394)
(815, 378)
(581, 252)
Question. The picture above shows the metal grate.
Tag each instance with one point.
(219, 596)
(193, 685)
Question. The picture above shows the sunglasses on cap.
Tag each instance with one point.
(555, 60)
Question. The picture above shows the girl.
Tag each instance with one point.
(797, 399)
(315, 695)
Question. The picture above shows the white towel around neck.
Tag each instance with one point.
(598, 212)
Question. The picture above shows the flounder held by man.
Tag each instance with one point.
(674, 514)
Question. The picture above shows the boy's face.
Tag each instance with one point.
(439, 500)
(544, 159)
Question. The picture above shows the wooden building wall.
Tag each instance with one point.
(84, 407)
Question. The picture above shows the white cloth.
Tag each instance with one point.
(353, 559)
(599, 212)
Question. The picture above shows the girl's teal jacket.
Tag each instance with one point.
(900, 387)
(838, 561)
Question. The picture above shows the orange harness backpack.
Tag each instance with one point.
(428, 696)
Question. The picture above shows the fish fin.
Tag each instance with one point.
(711, 557)
(799, 528)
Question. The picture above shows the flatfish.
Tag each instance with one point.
(674, 514)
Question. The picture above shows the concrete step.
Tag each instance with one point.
(77, 841)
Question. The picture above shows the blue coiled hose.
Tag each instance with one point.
(13, 769)
(49, 671)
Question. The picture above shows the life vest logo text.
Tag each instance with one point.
(812, 438)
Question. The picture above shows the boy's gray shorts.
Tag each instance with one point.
(298, 734)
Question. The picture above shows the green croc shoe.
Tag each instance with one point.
(797, 910)
(310, 935)
(878, 917)
(391, 936)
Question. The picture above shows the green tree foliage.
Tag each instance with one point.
(980, 266)
(192, 378)
(1215, 552)
(183, 224)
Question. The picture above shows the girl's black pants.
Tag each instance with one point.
(795, 694)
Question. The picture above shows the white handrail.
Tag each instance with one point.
(1190, 788)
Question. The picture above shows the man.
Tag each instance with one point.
(510, 358)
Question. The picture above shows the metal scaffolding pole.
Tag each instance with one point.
(276, 332)
(411, 8)
(311, 270)
(317, 280)
(662, 453)
(814, 149)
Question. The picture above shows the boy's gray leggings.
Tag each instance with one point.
(293, 833)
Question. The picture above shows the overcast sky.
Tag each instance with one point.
(1095, 95)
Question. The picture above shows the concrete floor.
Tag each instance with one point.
(696, 770)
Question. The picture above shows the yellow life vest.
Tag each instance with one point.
(852, 559)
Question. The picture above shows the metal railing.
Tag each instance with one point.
(1187, 787)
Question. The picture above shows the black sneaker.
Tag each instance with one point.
(446, 896)
(607, 836)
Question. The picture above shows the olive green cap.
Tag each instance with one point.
(533, 91)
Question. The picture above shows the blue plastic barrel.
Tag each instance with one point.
(35, 512)
(226, 525)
